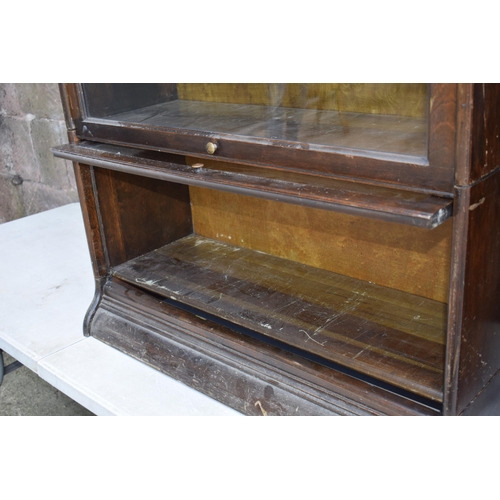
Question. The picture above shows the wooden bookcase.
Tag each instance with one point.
(289, 249)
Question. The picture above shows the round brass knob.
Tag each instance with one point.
(211, 148)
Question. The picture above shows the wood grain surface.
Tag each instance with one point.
(139, 213)
(406, 258)
(405, 99)
(390, 335)
(372, 201)
(239, 370)
(480, 322)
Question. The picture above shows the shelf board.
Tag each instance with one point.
(403, 135)
(390, 335)
(384, 203)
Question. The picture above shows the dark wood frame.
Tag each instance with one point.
(383, 203)
(463, 166)
(431, 174)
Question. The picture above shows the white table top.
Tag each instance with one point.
(45, 290)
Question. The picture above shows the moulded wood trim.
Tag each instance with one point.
(348, 197)
(196, 345)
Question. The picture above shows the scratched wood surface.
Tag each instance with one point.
(485, 130)
(391, 335)
(479, 291)
(405, 99)
(394, 205)
(406, 258)
(406, 135)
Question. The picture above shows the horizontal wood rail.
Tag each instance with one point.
(355, 198)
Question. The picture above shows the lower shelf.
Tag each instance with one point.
(250, 375)
(390, 335)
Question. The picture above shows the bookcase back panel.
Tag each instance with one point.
(404, 99)
(402, 257)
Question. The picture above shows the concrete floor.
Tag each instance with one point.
(25, 393)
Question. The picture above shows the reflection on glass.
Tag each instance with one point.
(373, 117)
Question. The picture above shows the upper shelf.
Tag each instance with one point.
(304, 128)
(396, 134)
(373, 118)
(350, 197)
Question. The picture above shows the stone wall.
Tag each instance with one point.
(31, 179)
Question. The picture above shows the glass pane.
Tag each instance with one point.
(373, 117)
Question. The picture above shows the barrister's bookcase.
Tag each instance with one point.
(297, 249)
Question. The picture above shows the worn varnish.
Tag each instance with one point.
(236, 369)
(329, 193)
(479, 326)
(388, 334)
(485, 154)
(212, 358)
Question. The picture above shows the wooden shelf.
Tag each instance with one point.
(384, 203)
(390, 335)
(403, 135)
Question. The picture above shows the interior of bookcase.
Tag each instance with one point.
(389, 118)
(365, 294)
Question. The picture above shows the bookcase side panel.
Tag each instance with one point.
(479, 330)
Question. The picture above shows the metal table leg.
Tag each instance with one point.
(7, 369)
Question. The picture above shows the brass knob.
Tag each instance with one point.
(211, 148)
